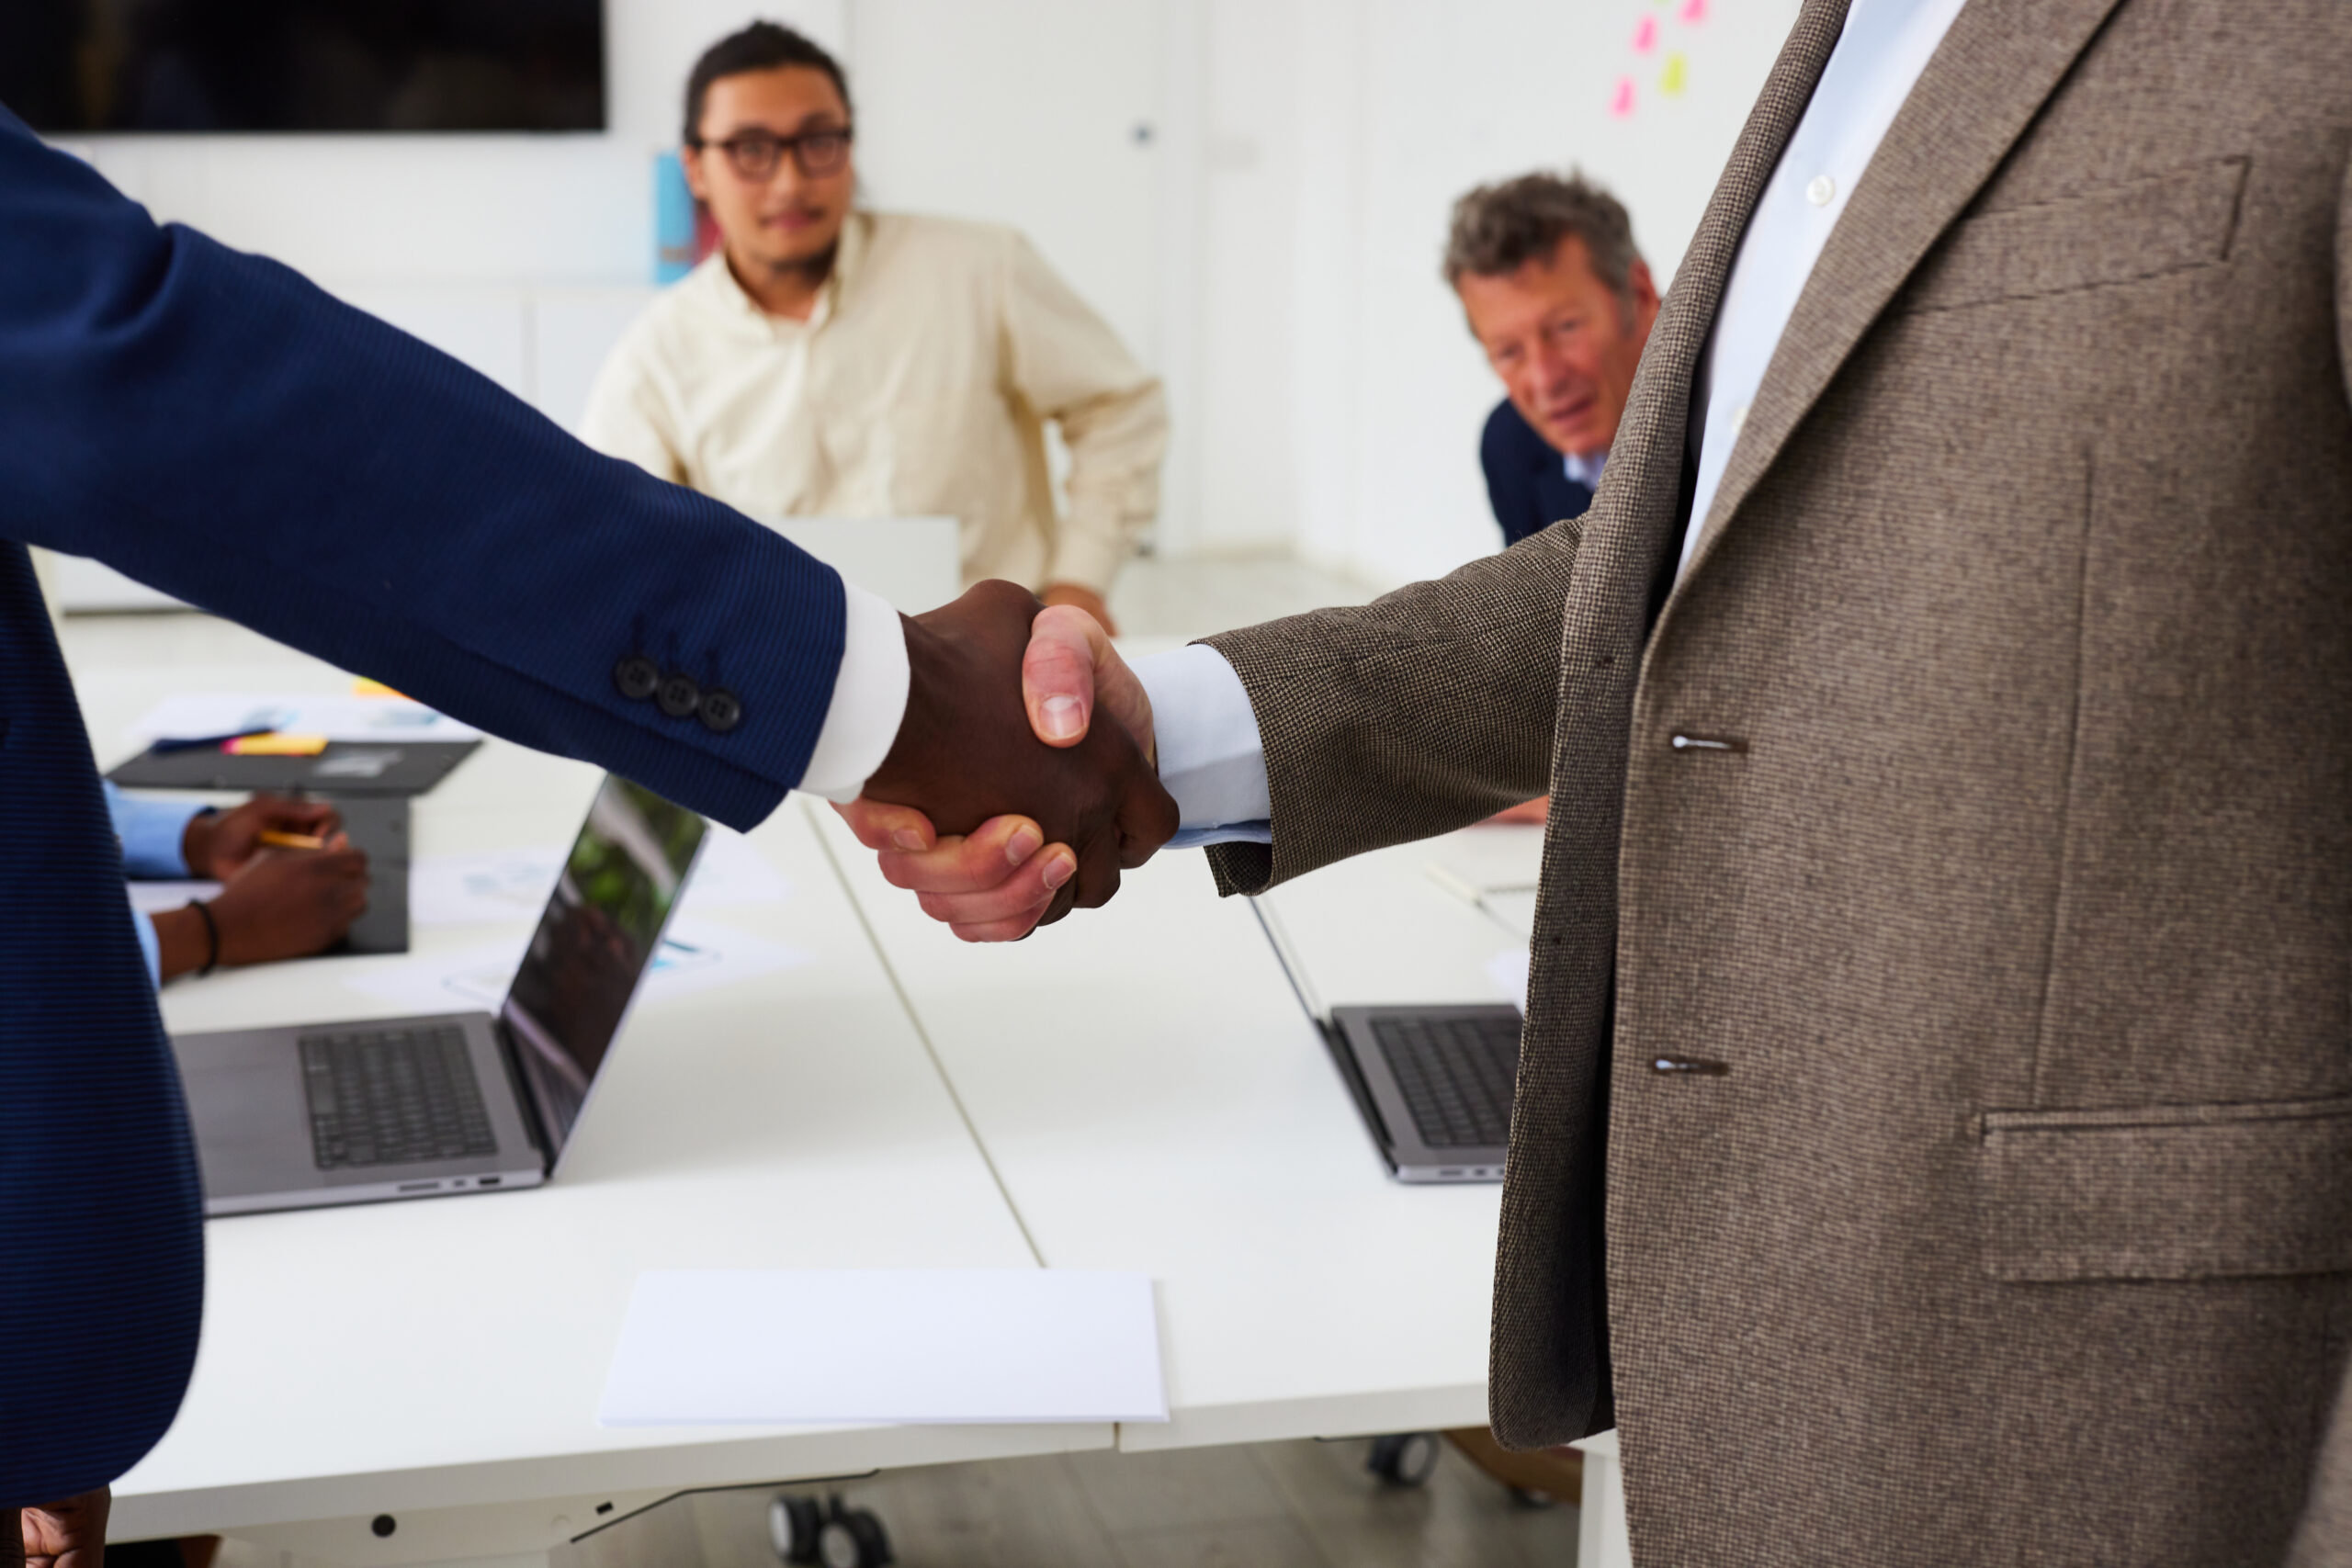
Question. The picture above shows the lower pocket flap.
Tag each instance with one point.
(2169, 1192)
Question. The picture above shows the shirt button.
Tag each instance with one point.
(1739, 418)
(721, 710)
(679, 697)
(1820, 190)
(638, 677)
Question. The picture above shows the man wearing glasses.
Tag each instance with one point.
(836, 362)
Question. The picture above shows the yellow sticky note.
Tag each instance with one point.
(275, 746)
(1671, 81)
(361, 686)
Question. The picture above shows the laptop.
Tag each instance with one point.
(1434, 1083)
(307, 1115)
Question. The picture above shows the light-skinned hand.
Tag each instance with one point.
(1001, 880)
(71, 1534)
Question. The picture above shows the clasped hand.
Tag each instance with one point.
(1001, 805)
(1011, 807)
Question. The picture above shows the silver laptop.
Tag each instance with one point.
(1433, 1083)
(306, 1115)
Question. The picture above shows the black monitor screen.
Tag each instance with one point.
(75, 66)
(593, 941)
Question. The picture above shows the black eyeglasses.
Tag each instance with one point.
(755, 154)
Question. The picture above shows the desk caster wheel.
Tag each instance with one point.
(1404, 1458)
(793, 1526)
(852, 1537)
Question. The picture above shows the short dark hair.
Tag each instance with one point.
(763, 46)
(1497, 228)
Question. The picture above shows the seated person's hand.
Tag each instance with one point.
(218, 844)
(1001, 880)
(1058, 595)
(71, 1534)
(291, 903)
(1537, 811)
(284, 904)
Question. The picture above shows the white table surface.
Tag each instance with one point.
(1144, 1087)
(440, 1361)
(1154, 1098)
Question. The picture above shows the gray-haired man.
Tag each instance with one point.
(1562, 303)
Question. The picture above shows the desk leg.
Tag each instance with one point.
(1602, 1540)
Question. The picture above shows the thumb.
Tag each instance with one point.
(1066, 644)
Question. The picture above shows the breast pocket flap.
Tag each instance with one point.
(2169, 1192)
(2145, 229)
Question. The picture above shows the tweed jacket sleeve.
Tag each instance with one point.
(1408, 717)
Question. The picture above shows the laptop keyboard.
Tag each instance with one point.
(392, 1095)
(1456, 1076)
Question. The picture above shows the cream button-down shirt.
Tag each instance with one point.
(919, 385)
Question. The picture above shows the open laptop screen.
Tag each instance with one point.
(594, 940)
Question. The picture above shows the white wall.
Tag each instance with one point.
(1362, 120)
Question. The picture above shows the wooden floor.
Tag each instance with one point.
(1301, 1505)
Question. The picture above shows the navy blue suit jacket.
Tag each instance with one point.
(1525, 482)
(211, 425)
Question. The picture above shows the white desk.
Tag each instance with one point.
(440, 1361)
(1142, 1078)
(1154, 1098)
(1148, 1087)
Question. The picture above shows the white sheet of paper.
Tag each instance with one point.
(781, 1346)
(198, 714)
(513, 885)
(695, 956)
(154, 898)
(481, 889)
(731, 872)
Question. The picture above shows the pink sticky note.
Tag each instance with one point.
(1693, 11)
(1646, 35)
(1622, 105)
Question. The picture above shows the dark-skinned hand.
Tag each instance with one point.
(218, 844)
(71, 1534)
(966, 752)
(291, 903)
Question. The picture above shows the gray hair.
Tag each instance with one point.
(1497, 228)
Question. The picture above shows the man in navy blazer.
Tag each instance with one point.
(211, 423)
(1562, 303)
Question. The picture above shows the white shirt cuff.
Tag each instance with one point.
(1210, 757)
(869, 700)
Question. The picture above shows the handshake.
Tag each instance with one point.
(1001, 805)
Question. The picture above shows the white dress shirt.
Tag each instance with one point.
(1210, 755)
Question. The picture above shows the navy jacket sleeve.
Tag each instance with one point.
(212, 425)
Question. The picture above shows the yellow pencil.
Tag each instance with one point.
(291, 841)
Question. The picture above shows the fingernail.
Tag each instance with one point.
(907, 839)
(1062, 718)
(1060, 869)
(1023, 844)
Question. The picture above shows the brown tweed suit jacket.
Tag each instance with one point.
(2009, 1217)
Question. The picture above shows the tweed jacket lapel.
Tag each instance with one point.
(1547, 1383)
(1992, 73)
